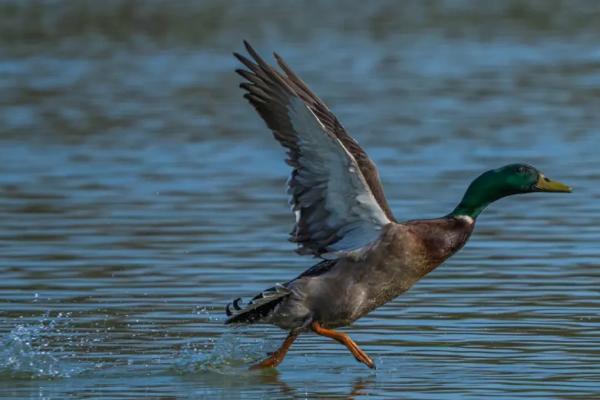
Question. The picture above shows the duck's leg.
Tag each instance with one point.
(278, 355)
(346, 341)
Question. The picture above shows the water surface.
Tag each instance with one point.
(139, 193)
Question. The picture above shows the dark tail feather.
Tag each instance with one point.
(258, 308)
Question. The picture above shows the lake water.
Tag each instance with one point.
(139, 193)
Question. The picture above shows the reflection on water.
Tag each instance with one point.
(139, 194)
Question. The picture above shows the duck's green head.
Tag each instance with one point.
(501, 182)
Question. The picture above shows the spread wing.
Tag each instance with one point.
(334, 187)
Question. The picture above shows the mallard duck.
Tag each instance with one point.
(367, 258)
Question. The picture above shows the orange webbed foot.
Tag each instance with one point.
(275, 358)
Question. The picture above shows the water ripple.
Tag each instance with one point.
(139, 194)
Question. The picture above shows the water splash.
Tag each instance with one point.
(229, 354)
(210, 314)
(27, 351)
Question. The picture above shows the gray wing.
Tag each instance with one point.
(335, 207)
(331, 123)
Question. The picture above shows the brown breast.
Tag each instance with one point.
(441, 238)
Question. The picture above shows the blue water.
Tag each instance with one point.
(139, 193)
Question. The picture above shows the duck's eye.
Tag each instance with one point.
(521, 170)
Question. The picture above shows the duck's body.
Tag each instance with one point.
(342, 216)
(340, 291)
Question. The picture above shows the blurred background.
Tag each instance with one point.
(139, 193)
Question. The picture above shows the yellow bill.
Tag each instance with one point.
(547, 185)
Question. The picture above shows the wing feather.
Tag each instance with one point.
(331, 184)
(330, 121)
